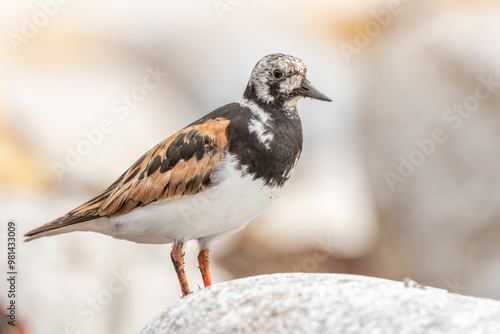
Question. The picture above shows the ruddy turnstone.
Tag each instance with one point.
(209, 179)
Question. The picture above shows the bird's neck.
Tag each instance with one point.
(276, 107)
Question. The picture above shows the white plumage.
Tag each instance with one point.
(222, 209)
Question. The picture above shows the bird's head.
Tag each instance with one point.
(279, 81)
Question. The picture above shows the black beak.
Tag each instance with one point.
(308, 90)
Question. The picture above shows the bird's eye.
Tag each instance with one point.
(277, 74)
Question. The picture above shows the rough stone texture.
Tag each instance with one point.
(326, 303)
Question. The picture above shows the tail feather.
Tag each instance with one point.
(59, 225)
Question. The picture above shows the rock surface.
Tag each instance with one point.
(326, 303)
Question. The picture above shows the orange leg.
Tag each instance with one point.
(205, 271)
(177, 257)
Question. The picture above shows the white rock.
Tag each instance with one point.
(325, 303)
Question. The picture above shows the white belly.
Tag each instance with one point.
(222, 209)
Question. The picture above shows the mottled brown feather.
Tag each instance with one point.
(137, 187)
(160, 187)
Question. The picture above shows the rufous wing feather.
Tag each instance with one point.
(181, 165)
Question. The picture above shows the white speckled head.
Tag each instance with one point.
(280, 80)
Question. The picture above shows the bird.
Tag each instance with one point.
(211, 178)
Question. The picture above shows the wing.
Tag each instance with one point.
(181, 165)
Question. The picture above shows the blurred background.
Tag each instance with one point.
(398, 177)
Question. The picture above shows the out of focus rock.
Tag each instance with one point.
(325, 303)
(20, 164)
(430, 130)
